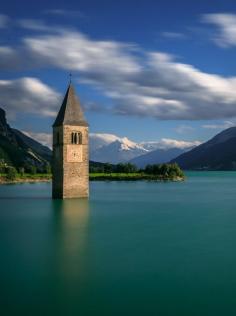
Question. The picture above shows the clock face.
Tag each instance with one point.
(74, 153)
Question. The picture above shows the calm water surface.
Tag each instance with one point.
(138, 248)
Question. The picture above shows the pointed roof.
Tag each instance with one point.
(70, 112)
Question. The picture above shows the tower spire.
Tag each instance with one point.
(71, 111)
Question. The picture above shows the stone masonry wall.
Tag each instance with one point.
(76, 174)
(75, 180)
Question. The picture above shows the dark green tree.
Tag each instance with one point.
(126, 168)
(21, 171)
(108, 167)
(32, 170)
(48, 169)
(11, 173)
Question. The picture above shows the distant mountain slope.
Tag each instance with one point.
(29, 142)
(114, 149)
(157, 156)
(120, 150)
(219, 153)
(19, 150)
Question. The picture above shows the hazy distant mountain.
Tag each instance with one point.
(114, 149)
(119, 150)
(157, 156)
(219, 153)
(20, 150)
(98, 140)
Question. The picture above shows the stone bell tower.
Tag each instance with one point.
(70, 150)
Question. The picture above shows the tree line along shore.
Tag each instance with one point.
(99, 171)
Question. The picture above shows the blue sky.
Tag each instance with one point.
(146, 70)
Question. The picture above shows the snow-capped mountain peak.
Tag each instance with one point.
(127, 144)
(114, 149)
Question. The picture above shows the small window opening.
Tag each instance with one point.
(76, 138)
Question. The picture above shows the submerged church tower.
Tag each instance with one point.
(70, 150)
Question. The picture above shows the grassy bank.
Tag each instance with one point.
(132, 177)
(39, 177)
(92, 177)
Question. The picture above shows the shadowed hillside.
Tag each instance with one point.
(219, 153)
(19, 150)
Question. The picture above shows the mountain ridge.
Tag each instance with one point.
(157, 156)
(113, 149)
(19, 150)
(218, 153)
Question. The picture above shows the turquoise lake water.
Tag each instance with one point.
(135, 248)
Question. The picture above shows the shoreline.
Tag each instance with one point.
(99, 177)
(27, 180)
(137, 177)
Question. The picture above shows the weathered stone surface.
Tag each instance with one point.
(70, 161)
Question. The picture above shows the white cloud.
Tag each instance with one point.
(167, 143)
(4, 20)
(28, 95)
(166, 89)
(226, 24)
(224, 125)
(83, 54)
(136, 82)
(170, 143)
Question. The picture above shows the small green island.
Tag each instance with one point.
(129, 172)
(98, 172)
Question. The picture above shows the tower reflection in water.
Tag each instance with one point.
(71, 220)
